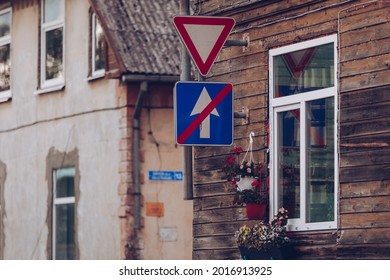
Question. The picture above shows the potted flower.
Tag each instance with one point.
(255, 201)
(242, 174)
(266, 240)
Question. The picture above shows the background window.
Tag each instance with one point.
(5, 54)
(303, 169)
(97, 48)
(52, 51)
(64, 214)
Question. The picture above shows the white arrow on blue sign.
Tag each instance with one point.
(203, 113)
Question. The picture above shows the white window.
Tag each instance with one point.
(5, 54)
(303, 105)
(64, 214)
(97, 48)
(52, 44)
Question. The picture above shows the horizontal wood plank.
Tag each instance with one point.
(214, 202)
(378, 14)
(365, 81)
(367, 220)
(220, 254)
(366, 65)
(365, 97)
(365, 50)
(362, 128)
(226, 228)
(364, 251)
(373, 188)
(364, 35)
(379, 156)
(220, 215)
(377, 236)
(365, 173)
(360, 143)
(215, 242)
(367, 112)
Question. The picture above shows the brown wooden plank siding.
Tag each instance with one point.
(364, 122)
(365, 132)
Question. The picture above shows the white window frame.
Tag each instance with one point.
(5, 95)
(59, 82)
(299, 101)
(101, 72)
(59, 201)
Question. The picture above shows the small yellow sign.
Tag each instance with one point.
(155, 209)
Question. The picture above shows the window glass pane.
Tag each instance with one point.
(304, 70)
(5, 24)
(98, 43)
(320, 160)
(289, 162)
(5, 67)
(54, 54)
(53, 10)
(64, 232)
(65, 182)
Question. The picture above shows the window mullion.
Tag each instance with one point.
(303, 161)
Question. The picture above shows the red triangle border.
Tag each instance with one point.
(180, 21)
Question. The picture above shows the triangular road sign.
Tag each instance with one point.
(203, 37)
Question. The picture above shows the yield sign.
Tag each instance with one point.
(203, 113)
(203, 37)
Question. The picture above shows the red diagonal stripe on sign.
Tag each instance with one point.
(200, 118)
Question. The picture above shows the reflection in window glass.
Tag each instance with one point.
(54, 54)
(64, 214)
(53, 10)
(320, 161)
(5, 51)
(289, 162)
(65, 182)
(52, 50)
(5, 67)
(304, 70)
(65, 232)
(5, 24)
(98, 46)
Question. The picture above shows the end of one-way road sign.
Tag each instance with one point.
(203, 114)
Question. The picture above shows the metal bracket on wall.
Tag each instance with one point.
(244, 115)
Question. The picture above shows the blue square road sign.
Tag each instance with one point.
(203, 113)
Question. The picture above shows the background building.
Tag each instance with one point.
(86, 113)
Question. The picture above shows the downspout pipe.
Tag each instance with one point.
(186, 76)
(136, 153)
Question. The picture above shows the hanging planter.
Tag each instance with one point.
(245, 176)
(245, 183)
(255, 211)
(242, 172)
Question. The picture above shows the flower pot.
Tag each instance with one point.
(255, 211)
(245, 183)
(285, 252)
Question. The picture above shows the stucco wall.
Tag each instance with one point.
(84, 116)
(168, 236)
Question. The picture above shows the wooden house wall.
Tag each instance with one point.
(364, 201)
(365, 132)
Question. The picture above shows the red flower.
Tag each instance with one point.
(230, 159)
(255, 183)
(238, 150)
(234, 182)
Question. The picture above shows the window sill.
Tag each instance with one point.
(49, 89)
(96, 77)
(5, 96)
